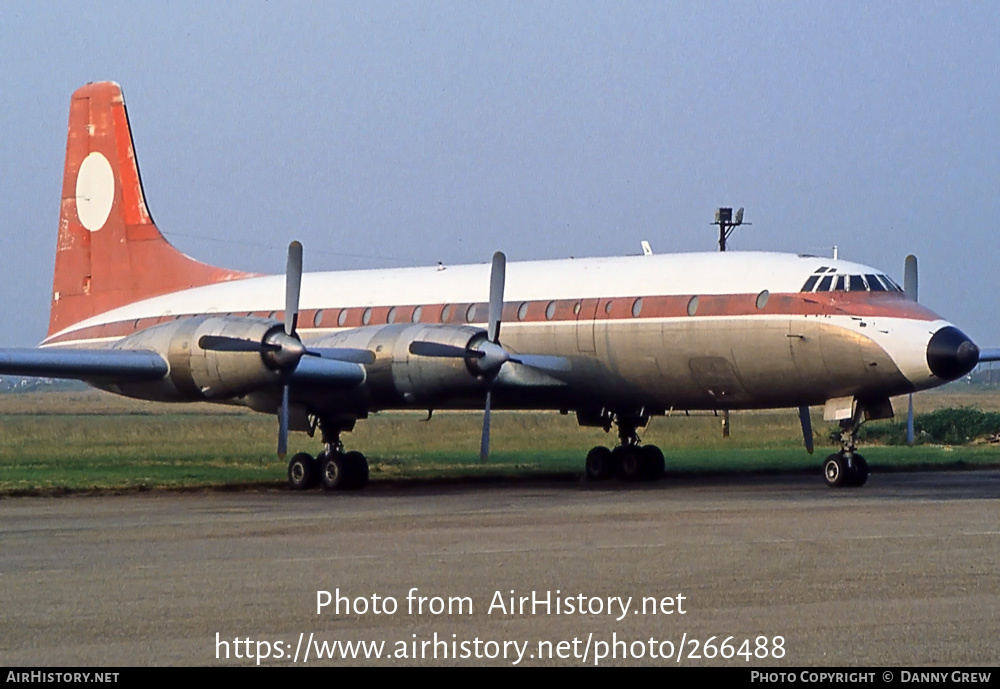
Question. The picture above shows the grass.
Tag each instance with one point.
(57, 442)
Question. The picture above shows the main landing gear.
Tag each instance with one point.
(629, 461)
(846, 468)
(333, 468)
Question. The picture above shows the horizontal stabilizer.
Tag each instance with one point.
(84, 364)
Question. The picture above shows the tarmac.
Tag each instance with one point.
(737, 571)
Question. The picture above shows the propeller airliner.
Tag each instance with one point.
(614, 341)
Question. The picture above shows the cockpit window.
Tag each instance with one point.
(890, 283)
(822, 281)
(873, 283)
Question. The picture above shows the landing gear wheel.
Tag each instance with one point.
(302, 472)
(357, 470)
(652, 464)
(629, 462)
(836, 473)
(860, 474)
(600, 465)
(333, 471)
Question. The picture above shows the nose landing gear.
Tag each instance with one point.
(847, 468)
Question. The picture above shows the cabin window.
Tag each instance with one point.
(342, 317)
(318, 318)
(522, 311)
(366, 316)
(416, 314)
(607, 307)
(637, 307)
(391, 316)
(550, 310)
(692, 306)
(446, 313)
(272, 314)
(470, 314)
(762, 299)
(857, 284)
(576, 308)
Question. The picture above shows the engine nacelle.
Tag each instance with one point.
(399, 378)
(197, 374)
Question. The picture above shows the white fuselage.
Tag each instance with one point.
(704, 330)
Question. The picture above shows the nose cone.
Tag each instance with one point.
(951, 354)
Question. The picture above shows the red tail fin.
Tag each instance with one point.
(109, 251)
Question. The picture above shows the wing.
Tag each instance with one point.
(84, 364)
(992, 354)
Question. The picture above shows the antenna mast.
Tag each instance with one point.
(727, 223)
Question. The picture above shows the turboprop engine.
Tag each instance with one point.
(197, 373)
(399, 374)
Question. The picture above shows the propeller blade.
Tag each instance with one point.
(542, 362)
(222, 343)
(484, 445)
(910, 289)
(498, 275)
(807, 434)
(423, 348)
(283, 424)
(910, 277)
(348, 354)
(293, 283)
(909, 422)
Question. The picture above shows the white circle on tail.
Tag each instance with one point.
(95, 191)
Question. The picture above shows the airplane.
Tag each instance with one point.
(614, 340)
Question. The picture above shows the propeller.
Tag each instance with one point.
(293, 285)
(489, 353)
(283, 347)
(910, 289)
(495, 356)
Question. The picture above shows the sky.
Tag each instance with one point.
(390, 134)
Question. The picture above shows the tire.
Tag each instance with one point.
(357, 470)
(600, 466)
(836, 473)
(652, 463)
(333, 471)
(860, 475)
(629, 462)
(303, 473)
